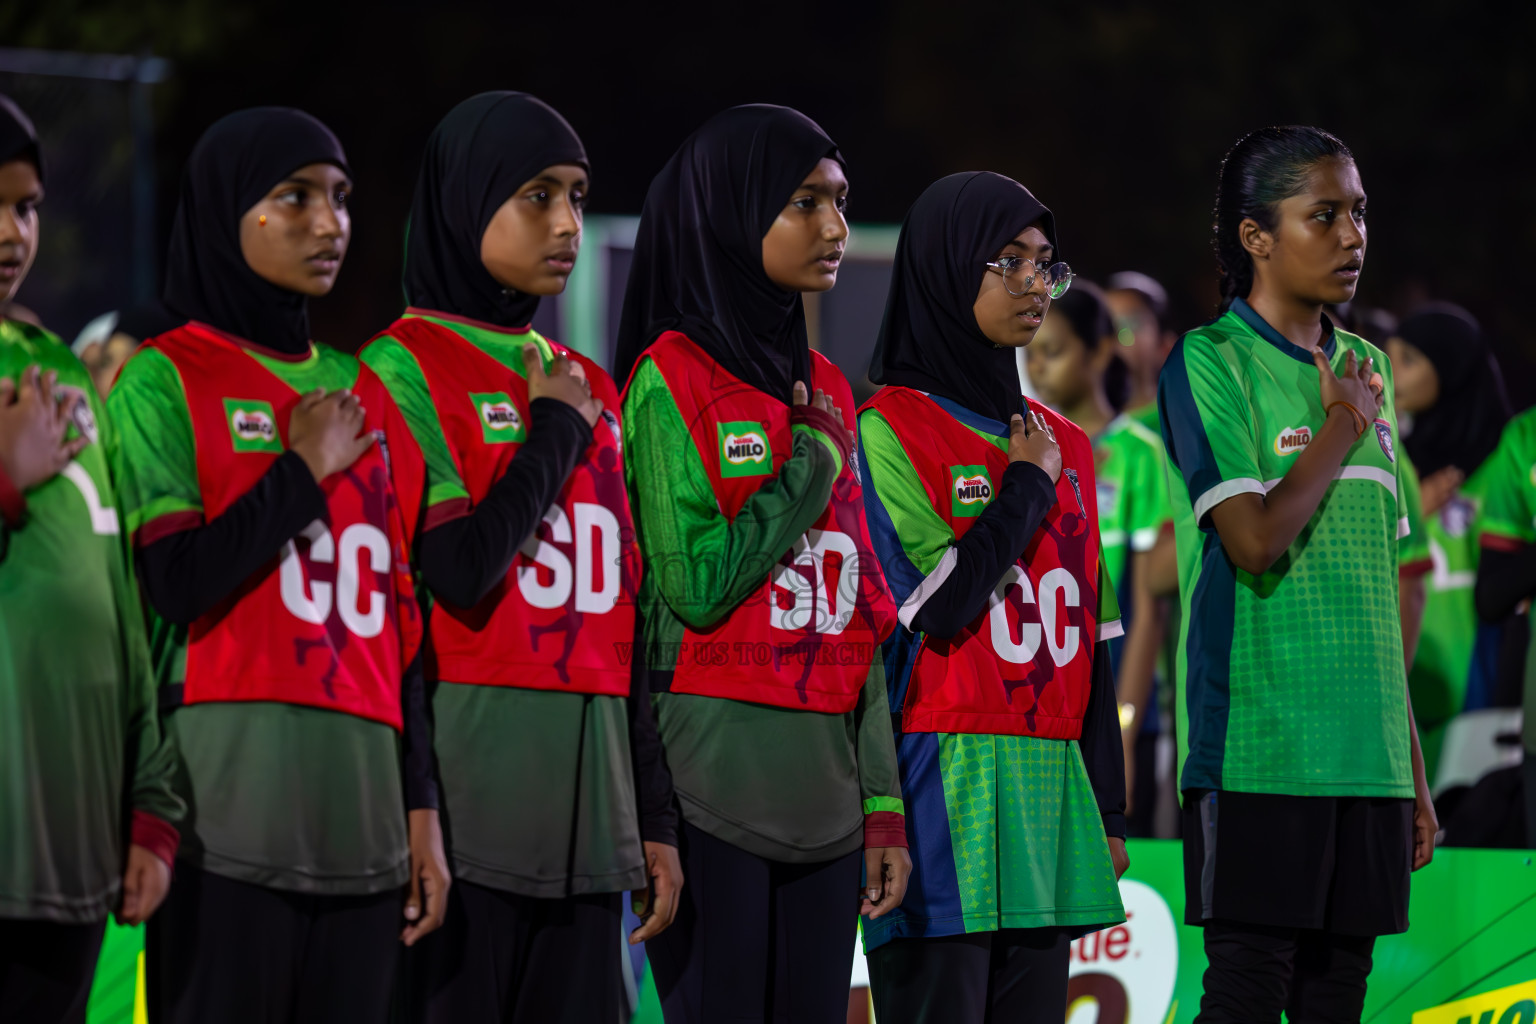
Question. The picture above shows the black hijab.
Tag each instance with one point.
(698, 264)
(235, 164)
(17, 136)
(1462, 428)
(477, 157)
(929, 339)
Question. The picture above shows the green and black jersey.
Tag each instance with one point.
(1293, 679)
(80, 743)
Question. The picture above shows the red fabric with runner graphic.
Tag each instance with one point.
(563, 618)
(331, 620)
(1024, 666)
(806, 638)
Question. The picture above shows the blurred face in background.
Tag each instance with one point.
(104, 358)
(1142, 342)
(1415, 383)
(1063, 369)
(20, 193)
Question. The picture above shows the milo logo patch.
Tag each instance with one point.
(500, 422)
(1292, 440)
(970, 490)
(744, 449)
(252, 425)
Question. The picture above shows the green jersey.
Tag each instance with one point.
(1509, 520)
(80, 742)
(279, 795)
(1443, 665)
(1147, 417)
(519, 766)
(1293, 678)
(1006, 831)
(784, 784)
(1132, 481)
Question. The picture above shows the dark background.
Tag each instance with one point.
(1115, 114)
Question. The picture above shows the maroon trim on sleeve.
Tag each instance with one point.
(1417, 567)
(13, 504)
(1494, 542)
(885, 828)
(164, 526)
(445, 512)
(156, 835)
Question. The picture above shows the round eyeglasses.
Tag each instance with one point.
(1019, 275)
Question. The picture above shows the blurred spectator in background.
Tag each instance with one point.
(1140, 308)
(1506, 576)
(105, 343)
(1143, 328)
(1377, 326)
(1452, 404)
(1072, 363)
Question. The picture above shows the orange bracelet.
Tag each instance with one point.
(1359, 417)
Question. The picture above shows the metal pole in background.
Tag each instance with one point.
(142, 72)
(142, 123)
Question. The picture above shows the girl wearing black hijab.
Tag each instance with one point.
(762, 602)
(553, 784)
(1009, 748)
(272, 494)
(1448, 383)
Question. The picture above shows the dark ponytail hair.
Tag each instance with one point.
(1263, 168)
(1086, 309)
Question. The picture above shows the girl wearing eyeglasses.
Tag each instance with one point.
(983, 511)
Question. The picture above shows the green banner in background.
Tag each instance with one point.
(1473, 917)
(1472, 943)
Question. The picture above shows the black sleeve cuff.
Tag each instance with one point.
(1114, 825)
(558, 424)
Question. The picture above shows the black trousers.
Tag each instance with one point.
(46, 970)
(237, 953)
(757, 940)
(501, 958)
(1255, 972)
(1015, 976)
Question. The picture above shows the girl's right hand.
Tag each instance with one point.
(1037, 445)
(822, 401)
(1354, 385)
(326, 431)
(561, 383)
(33, 421)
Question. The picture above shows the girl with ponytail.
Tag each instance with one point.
(1296, 721)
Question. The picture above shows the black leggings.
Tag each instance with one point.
(501, 958)
(1015, 976)
(237, 953)
(757, 940)
(1256, 972)
(46, 969)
